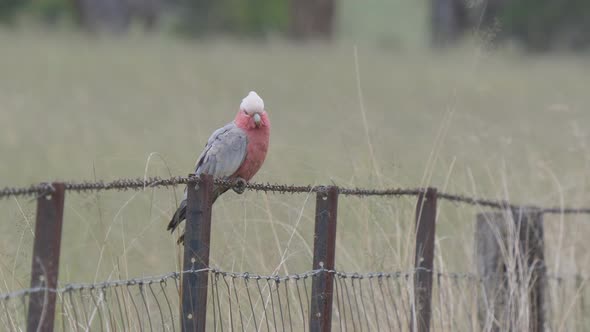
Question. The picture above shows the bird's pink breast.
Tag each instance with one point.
(258, 139)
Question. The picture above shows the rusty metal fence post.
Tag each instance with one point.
(45, 267)
(494, 233)
(425, 231)
(196, 254)
(324, 248)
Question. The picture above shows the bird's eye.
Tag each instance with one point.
(245, 112)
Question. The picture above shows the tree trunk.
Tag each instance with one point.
(448, 21)
(312, 18)
(104, 15)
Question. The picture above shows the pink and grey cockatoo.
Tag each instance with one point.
(234, 152)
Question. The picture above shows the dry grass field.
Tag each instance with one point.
(497, 124)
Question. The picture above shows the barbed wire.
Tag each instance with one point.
(33, 190)
(153, 182)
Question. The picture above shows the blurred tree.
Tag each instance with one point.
(451, 19)
(257, 17)
(312, 18)
(51, 11)
(109, 15)
(538, 24)
(448, 21)
(116, 15)
(546, 24)
(241, 17)
(9, 8)
(196, 17)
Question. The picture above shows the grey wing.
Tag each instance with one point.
(223, 155)
(225, 152)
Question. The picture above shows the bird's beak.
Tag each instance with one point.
(257, 120)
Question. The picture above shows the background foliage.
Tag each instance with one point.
(250, 17)
(542, 24)
(538, 24)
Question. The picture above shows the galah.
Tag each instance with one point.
(234, 152)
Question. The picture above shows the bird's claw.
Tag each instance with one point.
(192, 175)
(239, 186)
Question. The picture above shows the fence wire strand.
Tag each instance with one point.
(42, 189)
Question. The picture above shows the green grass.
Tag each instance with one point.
(495, 124)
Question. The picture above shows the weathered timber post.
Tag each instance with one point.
(324, 248)
(45, 267)
(494, 231)
(196, 254)
(490, 235)
(425, 231)
(532, 247)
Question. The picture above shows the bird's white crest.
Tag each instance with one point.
(252, 103)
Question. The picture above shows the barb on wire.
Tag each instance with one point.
(152, 182)
(32, 190)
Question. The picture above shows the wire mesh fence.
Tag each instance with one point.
(123, 305)
(375, 301)
(239, 301)
(318, 300)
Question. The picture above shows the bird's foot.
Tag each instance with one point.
(192, 175)
(239, 185)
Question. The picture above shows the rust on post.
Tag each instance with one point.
(324, 248)
(425, 231)
(45, 267)
(196, 254)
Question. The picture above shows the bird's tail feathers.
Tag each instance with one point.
(180, 213)
(178, 217)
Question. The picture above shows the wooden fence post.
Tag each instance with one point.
(492, 246)
(532, 246)
(490, 233)
(324, 248)
(425, 231)
(45, 267)
(196, 254)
